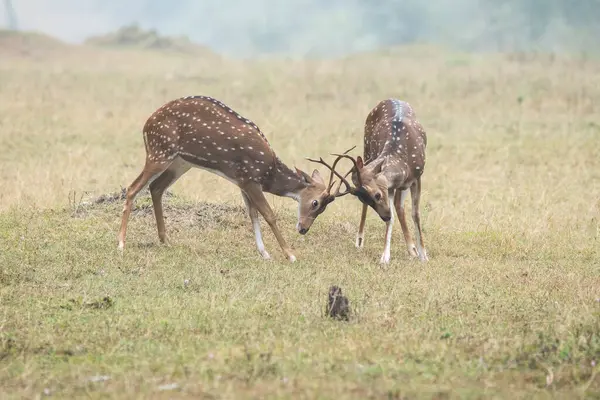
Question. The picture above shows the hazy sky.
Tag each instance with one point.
(226, 25)
(213, 20)
(245, 27)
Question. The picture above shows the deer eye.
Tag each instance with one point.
(315, 203)
(378, 196)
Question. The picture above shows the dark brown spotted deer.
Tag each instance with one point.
(202, 132)
(394, 152)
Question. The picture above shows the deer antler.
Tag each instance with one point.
(343, 180)
(333, 172)
(344, 155)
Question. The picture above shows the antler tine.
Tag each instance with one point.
(355, 165)
(342, 180)
(321, 161)
(330, 186)
(351, 148)
(332, 173)
(348, 173)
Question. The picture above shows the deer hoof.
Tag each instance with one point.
(385, 259)
(423, 256)
(265, 255)
(412, 251)
(360, 242)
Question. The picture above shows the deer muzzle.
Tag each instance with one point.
(302, 229)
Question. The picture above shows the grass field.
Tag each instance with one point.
(507, 307)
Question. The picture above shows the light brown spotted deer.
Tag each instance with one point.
(394, 151)
(202, 132)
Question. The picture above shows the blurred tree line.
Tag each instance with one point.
(480, 25)
(341, 26)
(318, 27)
(333, 27)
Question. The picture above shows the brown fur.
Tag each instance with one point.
(202, 132)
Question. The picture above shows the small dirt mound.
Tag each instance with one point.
(132, 36)
(109, 198)
(176, 211)
(28, 44)
(201, 215)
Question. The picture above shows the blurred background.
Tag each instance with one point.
(318, 28)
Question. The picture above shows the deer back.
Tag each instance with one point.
(210, 135)
(394, 137)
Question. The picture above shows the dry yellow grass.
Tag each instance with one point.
(511, 200)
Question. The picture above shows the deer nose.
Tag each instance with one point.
(386, 218)
(302, 231)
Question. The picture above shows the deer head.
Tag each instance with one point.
(371, 185)
(313, 199)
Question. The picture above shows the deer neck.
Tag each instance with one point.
(393, 166)
(285, 182)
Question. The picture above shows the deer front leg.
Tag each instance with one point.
(385, 257)
(360, 236)
(150, 172)
(253, 212)
(399, 200)
(415, 192)
(258, 200)
(157, 189)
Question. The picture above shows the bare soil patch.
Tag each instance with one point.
(205, 215)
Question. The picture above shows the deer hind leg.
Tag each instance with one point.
(158, 187)
(253, 212)
(385, 257)
(415, 192)
(360, 236)
(399, 200)
(258, 200)
(150, 172)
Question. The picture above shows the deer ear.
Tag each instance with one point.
(303, 175)
(359, 162)
(316, 176)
